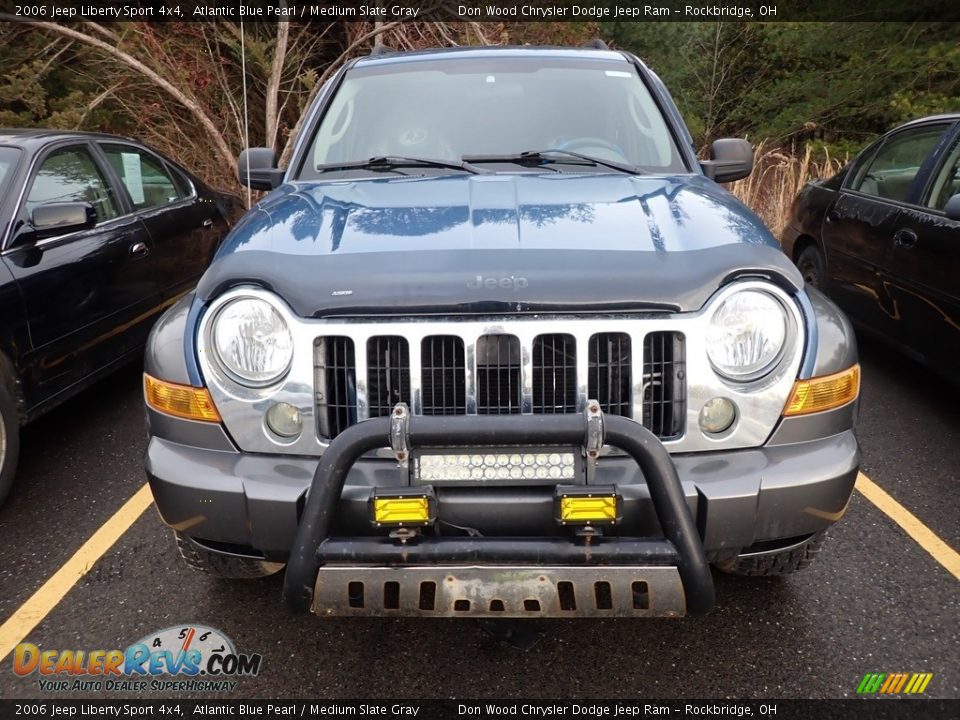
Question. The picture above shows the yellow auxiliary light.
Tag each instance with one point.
(824, 393)
(179, 400)
(406, 508)
(579, 506)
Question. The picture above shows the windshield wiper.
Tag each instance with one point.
(543, 157)
(392, 162)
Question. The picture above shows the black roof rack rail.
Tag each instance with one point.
(381, 49)
(596, 44)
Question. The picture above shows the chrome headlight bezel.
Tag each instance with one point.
(780, 328)
(233, 372)
(759, 403)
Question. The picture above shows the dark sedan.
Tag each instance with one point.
(882, 238)
(99, 234)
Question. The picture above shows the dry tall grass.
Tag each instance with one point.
(776, 179)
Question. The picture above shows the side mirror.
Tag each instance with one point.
(257, 169)
(730, 159)
(52, 219)
(952, 208)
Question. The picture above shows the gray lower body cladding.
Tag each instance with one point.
(738, 498)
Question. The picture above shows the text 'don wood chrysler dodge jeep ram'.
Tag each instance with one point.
(497, 344)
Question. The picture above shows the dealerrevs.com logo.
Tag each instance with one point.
(176, 659)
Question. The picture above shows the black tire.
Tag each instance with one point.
(782, 563)
(9, 440)
(813, 267)
(227, 567)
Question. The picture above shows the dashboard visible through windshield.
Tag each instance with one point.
(481, 108)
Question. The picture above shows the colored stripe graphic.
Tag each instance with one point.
(918, 683)
(893, 683)
(870, 683)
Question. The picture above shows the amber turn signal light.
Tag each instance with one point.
(824, 393)
(179, 400)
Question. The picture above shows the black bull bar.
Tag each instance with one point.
(681, 542)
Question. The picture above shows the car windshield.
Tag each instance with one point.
(493, 108)
(8, 161)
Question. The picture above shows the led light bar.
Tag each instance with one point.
(517, 467)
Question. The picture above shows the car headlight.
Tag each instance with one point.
(746, 335)
(252, 342)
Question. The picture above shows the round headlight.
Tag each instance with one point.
(746, 335)
(252, 342)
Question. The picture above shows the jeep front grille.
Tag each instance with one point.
(335, 384)
(444, 376)
(554, 374)
(499, 373)
(664, 386)
(609, 382)
(388, 363)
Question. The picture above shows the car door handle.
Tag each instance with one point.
(905, 238)
(832, 215)
(139, 249)
(208, 223)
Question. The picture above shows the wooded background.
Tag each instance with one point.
(807, 94)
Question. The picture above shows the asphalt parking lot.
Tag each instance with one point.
(875, 600)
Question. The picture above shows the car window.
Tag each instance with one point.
(71, 175)
(467, 106)
(9, 157)
(860, 166)
(146, 177)
(947, 182)
(895, 165)
(184, 186)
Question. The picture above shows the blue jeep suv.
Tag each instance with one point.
(497, 343)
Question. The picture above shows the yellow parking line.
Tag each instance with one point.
(33, 611)
(16, 628)
(924, 536)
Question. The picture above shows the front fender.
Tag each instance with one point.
(165, 357)
(836, 341)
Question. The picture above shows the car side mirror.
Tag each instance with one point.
(952, 208)
(257, 169)
(730, 159)
(61, 218)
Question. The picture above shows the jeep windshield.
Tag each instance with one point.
(565, 110)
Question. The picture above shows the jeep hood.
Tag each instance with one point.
(497, 243)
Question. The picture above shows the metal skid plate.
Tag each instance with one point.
(500, 591)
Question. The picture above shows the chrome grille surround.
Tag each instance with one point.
(760, 402)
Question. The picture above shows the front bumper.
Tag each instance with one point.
(739, 498)
(742, 501)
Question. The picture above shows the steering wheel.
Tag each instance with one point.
(584, 144)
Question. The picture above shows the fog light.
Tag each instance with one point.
(284, 419)
(586, 506)
(717, 415)
(403, 507)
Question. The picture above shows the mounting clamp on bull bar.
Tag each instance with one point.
(407, 432)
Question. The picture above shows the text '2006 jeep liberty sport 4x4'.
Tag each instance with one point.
(498, 344)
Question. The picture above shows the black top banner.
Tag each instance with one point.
(482, 10)
(861, 709)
